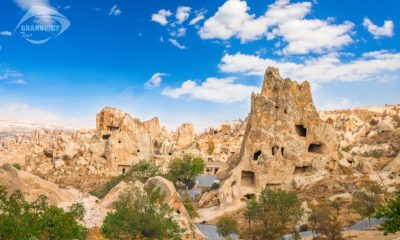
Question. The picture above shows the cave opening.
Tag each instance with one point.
(248, 179)
(302, 169)
(316, 148)
(257, 155)
(274, 150)
(301, 130)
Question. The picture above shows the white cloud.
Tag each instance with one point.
(115, 11)
(17, 82)
(340, 103)
(40, 8)
(6, 33)
(24, 112)
(10, 75)
(281, 19)
(180, 32)
(385, 31)
(198, 18)
(221, 90)
(161, 16)
(378, 65)
(176, 44)
(155, 80)
(182, 13)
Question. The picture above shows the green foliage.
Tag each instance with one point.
(376, 153)
(272, 214)
(366, 201)
(325, 223)
(336, 204)
(20, 219)
(227, 226)
(190, 208)
(16, 165)
(102, 191)
(143, 171)
(141, 215)
(140, 171)
(346, 149)
(185, 169)
(390, 211)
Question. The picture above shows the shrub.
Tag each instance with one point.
(272, 214)
(190, 208)
(141, 214)
(390, 212)
(325, 223)
(346, 149)
(227, 226)
(20, 219)
(16, 165)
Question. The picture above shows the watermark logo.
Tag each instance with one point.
(42, 23)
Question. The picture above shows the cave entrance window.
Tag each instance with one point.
(106, 136)
(249, 196)
(316, 148)
(301, 130)
(123, 170)
(248, 179)
(257, 155)
(302, 169)
(282, 151)
(138, 150)
(274, 150)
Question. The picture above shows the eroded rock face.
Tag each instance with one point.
(185, 135)
(284, 137)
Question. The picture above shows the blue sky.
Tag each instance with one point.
(195, 61)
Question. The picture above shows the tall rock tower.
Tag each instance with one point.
(284, 137)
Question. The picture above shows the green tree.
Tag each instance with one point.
(272, 214)
(366, 201)
(20, 219)
(325, 223)
(141, 214)
(227, 226)
(390, 212)
(143, 171)
(185, 169)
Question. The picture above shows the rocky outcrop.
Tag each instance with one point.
(284, 138)
(185, 136)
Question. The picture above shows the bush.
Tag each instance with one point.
(20, 219)
(16, 165)
(141, 214)
(325, 223)
(390, 211)
(346, 149)
(190, 208)
(272, 214)
(366, 200)
(185, 169)
(227, 226)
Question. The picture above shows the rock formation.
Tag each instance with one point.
(284, 137)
